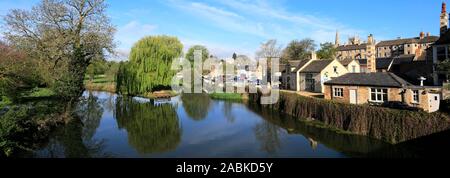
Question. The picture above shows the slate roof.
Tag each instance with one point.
(295, 63)
(351, 47)
(408, 58)
(379, 79)
(301, 64)
(316, 66)
(346, 62)
(429, 39)
(384, 63)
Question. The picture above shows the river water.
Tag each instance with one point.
(191, 126)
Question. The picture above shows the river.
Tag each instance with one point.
(191, 126)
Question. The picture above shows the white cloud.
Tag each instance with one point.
(219, 50)
(222, 18)
(267, 19)
(130, 33)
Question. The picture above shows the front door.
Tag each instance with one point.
(310, 83)
(353, 97)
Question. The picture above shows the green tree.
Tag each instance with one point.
(149, 67)
(298, 50)
(17, 72)
(327, 51)
(97, 67)
(68, 34)
(190, 54)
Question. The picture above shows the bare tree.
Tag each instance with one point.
(269, 49)
(72, 32)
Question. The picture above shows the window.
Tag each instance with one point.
(338, 92)
(378, 94)
(416, 96)
(335, 69)
(354, 69)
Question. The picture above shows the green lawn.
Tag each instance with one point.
(226, 96)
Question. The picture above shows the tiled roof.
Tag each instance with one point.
(346, 62)
(429, 39)
(384, 63)
(380, 79)
(301, 64)
(351, 47)
(316, 66)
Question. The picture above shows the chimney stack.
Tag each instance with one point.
(313, 55)
(444, 19)
(422, 35)
(428, 34)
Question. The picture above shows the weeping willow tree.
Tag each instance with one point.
(149, 67)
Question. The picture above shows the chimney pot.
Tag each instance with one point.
(444, 8)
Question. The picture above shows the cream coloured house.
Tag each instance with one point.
(352, 65)
(313, 75)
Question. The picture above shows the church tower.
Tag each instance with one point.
(444, 19)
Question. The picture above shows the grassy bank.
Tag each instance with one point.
(101, 83)
(390, 125)
(228, 96)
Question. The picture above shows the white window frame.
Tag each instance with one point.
(338, 92)
(415, 96)
(379, 92)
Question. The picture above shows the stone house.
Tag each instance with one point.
(315, 73)
(352, 65)
(381, 87)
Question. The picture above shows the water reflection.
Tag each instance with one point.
(107, 125)
(76, 138)
(151, 128)
(350, 145)
(228, 112)
(196, 105)
(268, 136)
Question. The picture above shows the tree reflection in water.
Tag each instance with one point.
(151, 128)
(76, 138)
(196, 105)
(269, 136)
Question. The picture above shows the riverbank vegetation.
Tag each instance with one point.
(45, 55)
(390, 125)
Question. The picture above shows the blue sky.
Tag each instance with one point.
(227, 26)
